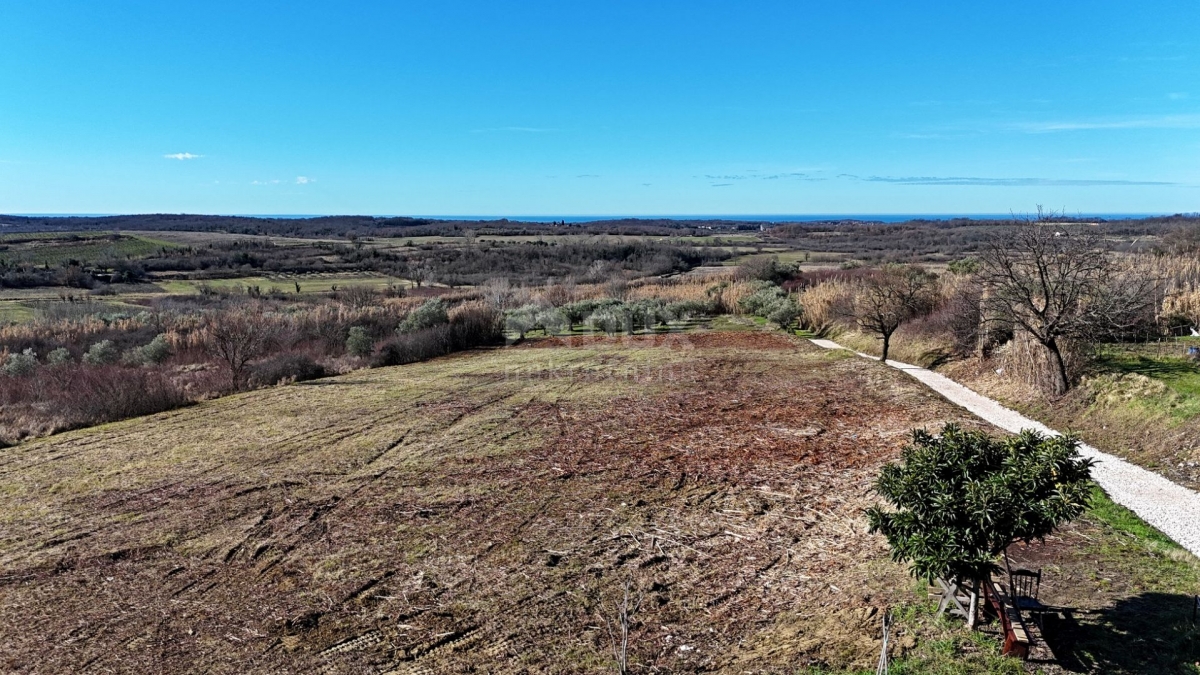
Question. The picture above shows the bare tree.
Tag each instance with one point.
(236, 338)
(359, 296)
(889, 298)
(1059, 285)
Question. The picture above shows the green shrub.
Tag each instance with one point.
(431, 313)
(58, 357)
(961, 498)
(760, 302)
(20, 364)
(102, 353)
(784, 312)
(963, 266)
(359, 343)
(157, 350)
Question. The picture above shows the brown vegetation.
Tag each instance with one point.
(474, 512)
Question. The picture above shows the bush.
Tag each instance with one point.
(58, 357)
(102, 353)
(784, 312)
(764, 296)
(20, 364)
(287, 367)
(773, 303)
(90, 395)
(472, 324)
(359, 343)
(414, 346)
(429, 314)
(766, 269)
(962, 498)
(157, 350)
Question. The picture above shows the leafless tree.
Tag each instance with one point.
(889, 298)
(358, 296)
(236, 338)
(1059, 284)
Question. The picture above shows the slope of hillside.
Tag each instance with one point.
(486, 508)
(485, 512)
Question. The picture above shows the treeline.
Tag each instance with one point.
(345, 226)
(947, 240)
(523, 261)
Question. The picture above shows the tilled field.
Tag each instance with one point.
(480, 513)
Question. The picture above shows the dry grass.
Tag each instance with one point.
(475, 511)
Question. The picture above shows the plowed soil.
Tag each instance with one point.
(479, 513)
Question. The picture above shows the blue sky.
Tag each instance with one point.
(577, 108)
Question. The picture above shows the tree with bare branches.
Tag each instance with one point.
(237, 338)
(889, 298)
(1059, 285)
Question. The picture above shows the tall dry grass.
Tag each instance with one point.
(826, 304)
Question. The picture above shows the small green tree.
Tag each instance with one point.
(429, 314)
(157, 350)
(20, 364)
(102, 353)
(961, 498)
(58, 357)
(359, 343)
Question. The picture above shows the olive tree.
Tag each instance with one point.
(961, 498)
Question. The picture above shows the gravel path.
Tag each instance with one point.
(1172, 508)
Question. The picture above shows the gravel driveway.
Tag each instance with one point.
(1172, 508)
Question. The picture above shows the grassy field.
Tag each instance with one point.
(24, 304)
(54, 250)
(486, 511)
(309, 283)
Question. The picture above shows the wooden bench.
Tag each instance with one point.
(1016, 637)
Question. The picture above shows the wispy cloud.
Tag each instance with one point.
(588, 175)
(304, 180)
(752, 175)
(1148, 122)
(182, 156)
(1003, 182)
(266, 182)
(515, 130)
(721, 184)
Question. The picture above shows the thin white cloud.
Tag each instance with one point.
(1001, 182)
(1157, 122)
(266, 182)
(182, 156)
(304, 180)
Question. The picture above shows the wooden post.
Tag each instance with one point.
(974, 610)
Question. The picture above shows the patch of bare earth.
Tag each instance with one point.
(487, 523)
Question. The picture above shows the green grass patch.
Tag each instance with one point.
(15, 312)
(86, 248)
(283, 283)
